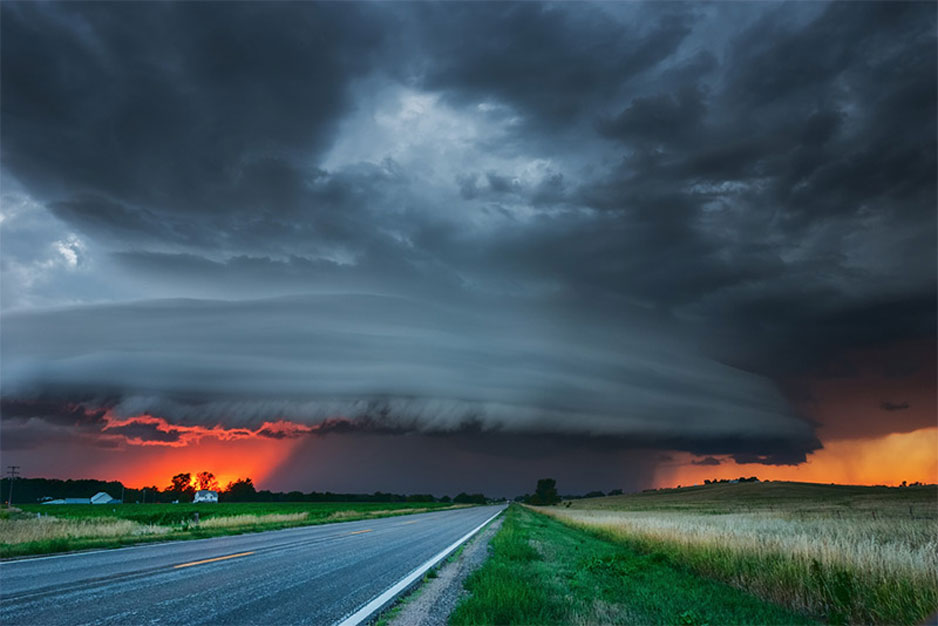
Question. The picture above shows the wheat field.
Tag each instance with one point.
(844, 565)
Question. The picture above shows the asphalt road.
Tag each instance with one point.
(309, 575)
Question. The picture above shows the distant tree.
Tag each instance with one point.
(206, 480)
(546, 492)
(241, 490)
(180, 487)
(421, 497)
(465, 498)
(380, 496)
(615, 492)
(446, 499)
(151, 494)
(594, 494)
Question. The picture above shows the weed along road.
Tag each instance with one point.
(323, 574)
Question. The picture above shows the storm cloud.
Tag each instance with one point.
(623, 223)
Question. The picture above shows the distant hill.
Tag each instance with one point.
(733, 497)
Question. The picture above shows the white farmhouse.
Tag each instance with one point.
(205, 495)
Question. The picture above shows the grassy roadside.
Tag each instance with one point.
(80, 527)
(544, 572)
(859, 555)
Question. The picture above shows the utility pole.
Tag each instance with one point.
(14, 473)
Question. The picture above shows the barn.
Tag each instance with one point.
(103, 498)
(99, 498)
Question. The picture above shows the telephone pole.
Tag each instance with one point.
(14, 473)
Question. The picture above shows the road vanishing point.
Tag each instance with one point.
(339, 573)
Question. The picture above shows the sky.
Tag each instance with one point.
(452, 247)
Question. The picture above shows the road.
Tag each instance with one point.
(308, 575)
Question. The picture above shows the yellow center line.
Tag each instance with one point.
(358, 532)
(218, 558)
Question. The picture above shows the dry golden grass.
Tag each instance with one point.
(47, 528)
(901, 547)
(234, 521)
(341, 515)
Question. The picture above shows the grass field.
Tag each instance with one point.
(544, 572)
(40, 529)
(843, 554)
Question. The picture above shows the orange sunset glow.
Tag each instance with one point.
(169, 449)
(246, 458)
(886, 460)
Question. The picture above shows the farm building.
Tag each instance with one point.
(205, 495)
(99, 498)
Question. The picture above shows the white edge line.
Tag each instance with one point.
(362, 614)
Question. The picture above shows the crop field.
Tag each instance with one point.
(837, 553)
(38, 529)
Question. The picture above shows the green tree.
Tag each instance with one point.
(546, 493)
(241, 490)
(181, 486)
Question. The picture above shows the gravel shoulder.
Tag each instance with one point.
(431, 603)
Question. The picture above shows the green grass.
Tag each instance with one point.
(544, 572)
(85, 526)
(168, 514)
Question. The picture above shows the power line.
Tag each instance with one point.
(13, 470)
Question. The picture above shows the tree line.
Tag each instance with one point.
(182, 488)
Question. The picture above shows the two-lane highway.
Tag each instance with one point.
(308, 575)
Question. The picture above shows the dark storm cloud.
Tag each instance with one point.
(165, 119)
(758, 179)
(893, 406)
(52, 411)
(145, 432)
(707, 460)
(550, 62)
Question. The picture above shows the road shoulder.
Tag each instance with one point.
(431, 603)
